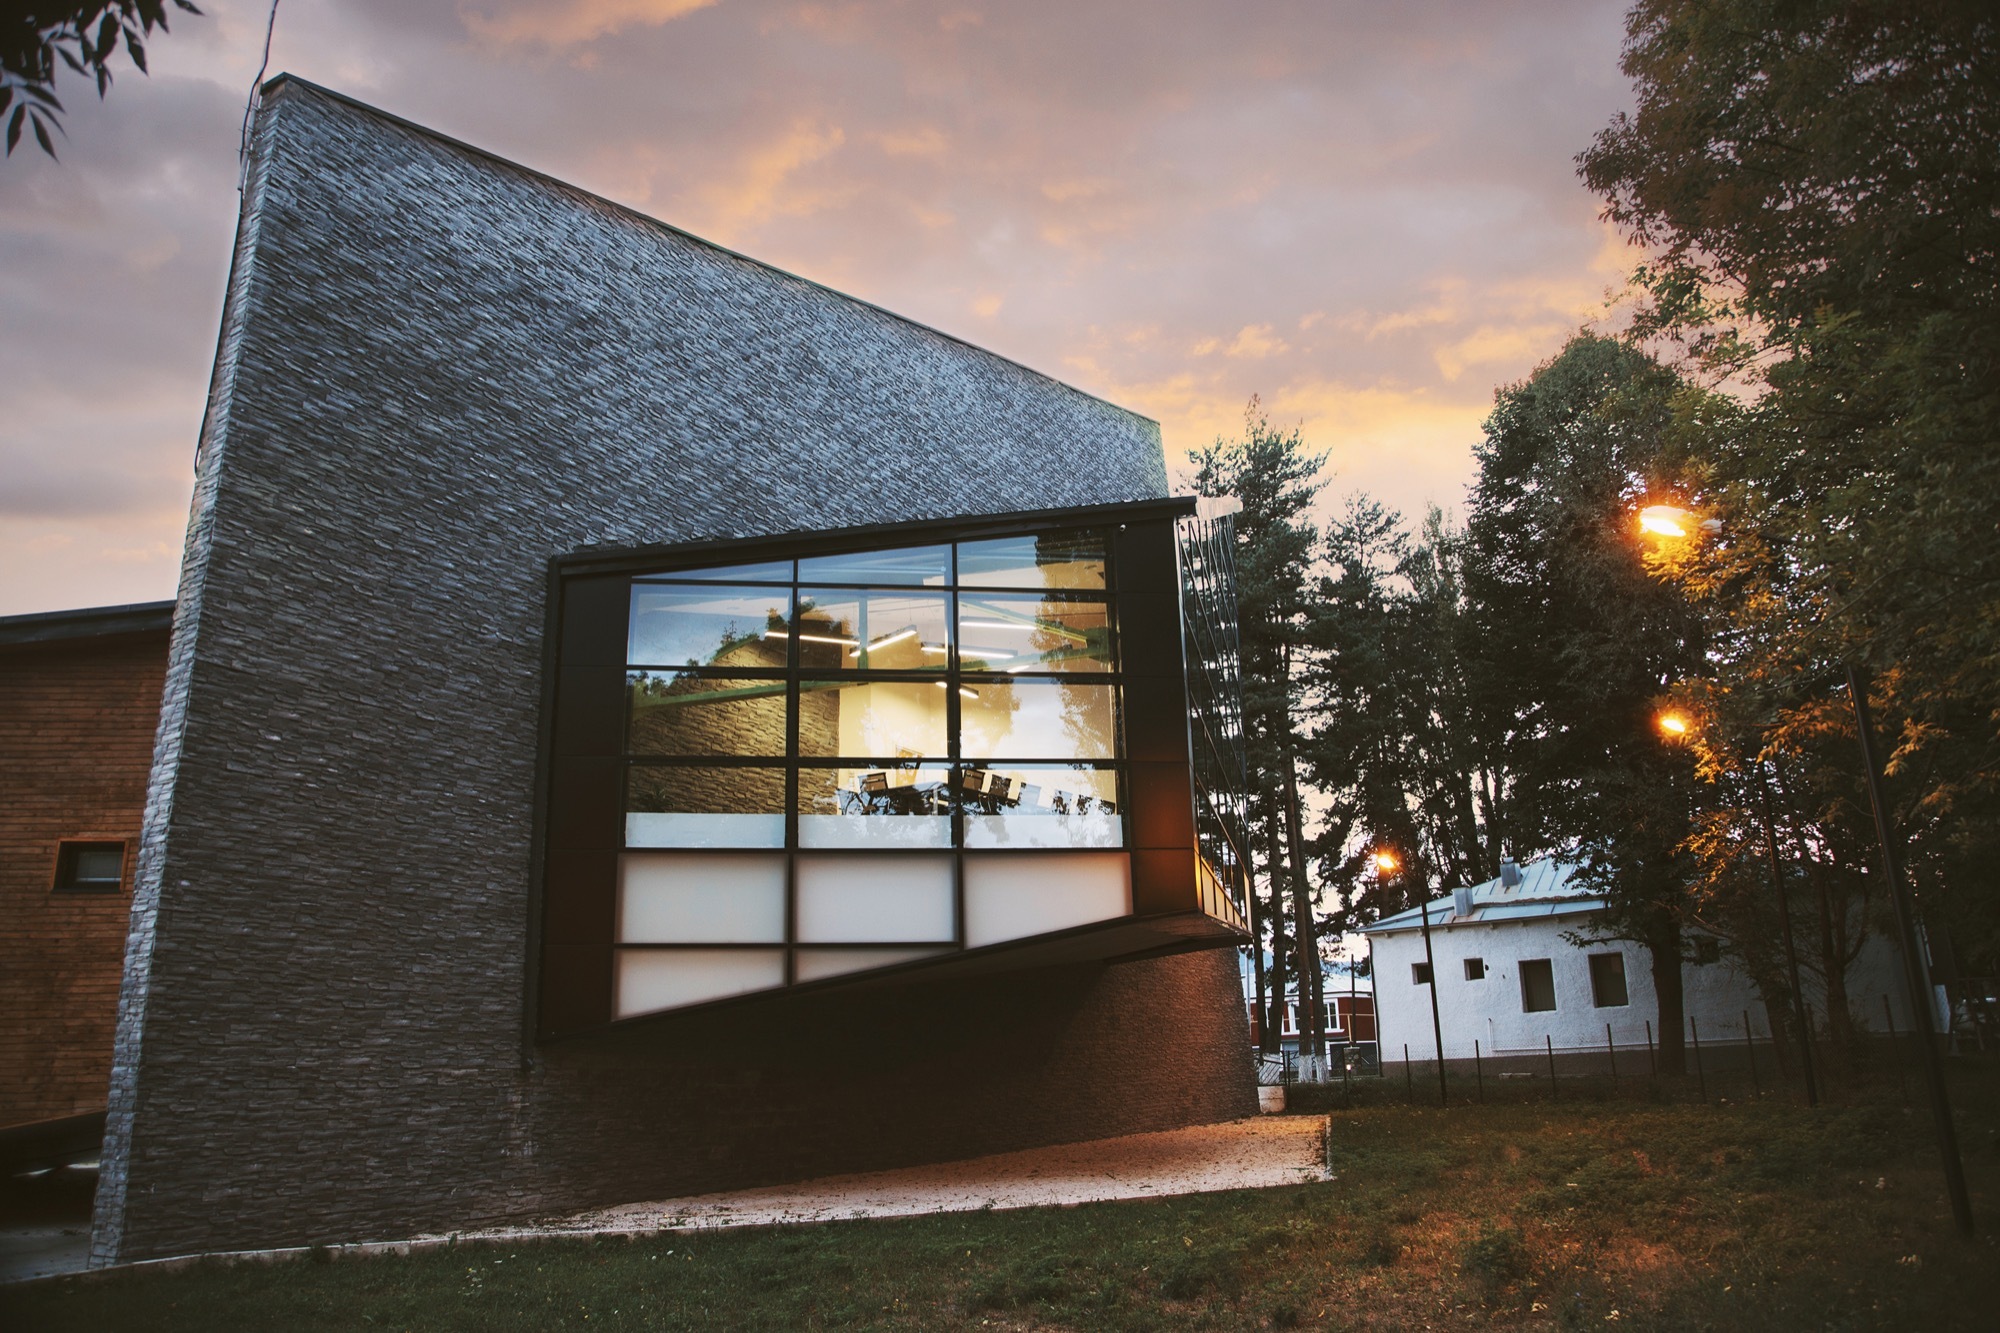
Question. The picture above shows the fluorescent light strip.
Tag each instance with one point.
(897, 637)
(997, 624)
(814, 638)
(964, 690)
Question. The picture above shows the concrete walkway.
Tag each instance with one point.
(1242, 1154)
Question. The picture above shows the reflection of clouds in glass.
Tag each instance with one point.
(698, 626)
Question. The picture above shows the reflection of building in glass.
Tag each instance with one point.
(836, 761)
(640, 723)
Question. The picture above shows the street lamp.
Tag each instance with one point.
(1386, 864)
(1674, 523)
(1675, 726)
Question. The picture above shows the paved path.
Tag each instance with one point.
(1242, 1154)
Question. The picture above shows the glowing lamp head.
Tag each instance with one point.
(1675, 723)
(1666, 521)
(1386, 862)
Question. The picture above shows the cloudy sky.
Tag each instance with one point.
(1364, 211)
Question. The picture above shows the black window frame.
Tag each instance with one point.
(1420, 974)
(71, 850)
(1475, 969)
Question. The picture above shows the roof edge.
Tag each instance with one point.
(91, 622)
(280, 80)
(615, 559)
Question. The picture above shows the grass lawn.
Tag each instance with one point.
(1749, 1216)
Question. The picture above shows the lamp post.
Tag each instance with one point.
(1672, 522)
(1676, 726)
(1387, 864)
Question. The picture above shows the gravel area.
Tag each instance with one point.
(1241, 1154)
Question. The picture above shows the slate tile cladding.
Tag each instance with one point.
(77, 718)
(436, 372)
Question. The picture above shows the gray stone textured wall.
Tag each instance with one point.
(436, 371)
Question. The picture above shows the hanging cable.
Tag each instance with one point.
(250, 106)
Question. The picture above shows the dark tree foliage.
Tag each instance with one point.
(1819, 183)
(82, 34)
(1579, 644)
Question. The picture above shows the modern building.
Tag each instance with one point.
(79, 705)
(638, 722)
(1523, 966)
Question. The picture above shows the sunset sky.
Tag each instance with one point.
(1365, 212)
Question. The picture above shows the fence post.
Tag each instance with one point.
(1895, 1051)
(1701, 1078)
(1611, 1047)
(1652, 1065)
(1409, 1076)
(1550, 1042)
(1750, 1047)
(1478, 1073)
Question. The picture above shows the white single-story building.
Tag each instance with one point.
(1511, 979)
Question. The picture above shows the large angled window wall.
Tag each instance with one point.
(767, 771)
(849, 761)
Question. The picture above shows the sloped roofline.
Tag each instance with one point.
(90, 622)
(280, 81)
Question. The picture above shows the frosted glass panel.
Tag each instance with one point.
(649, 980)
(1022, 719)
(670, 830)
(812, 964)
(698, 899)
(1013, 897)
(869, 899)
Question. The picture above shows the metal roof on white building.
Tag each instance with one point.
(1541, 889)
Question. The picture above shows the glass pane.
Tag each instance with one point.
(678, 713)
(1011, 897)
(905, 718)
(770, 571)
(99, 865)
(1045, 560)
(701, 898)
(1040, 806)
(1033, 634)
(704, 807)
(1027, 719)
(882, 805)
(912, 566)
(741, 627)
(874, 899)
(812, 964)
(650, 980)
(895, 631)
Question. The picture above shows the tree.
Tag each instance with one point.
(1579, 643)
(83, 34)
(1277, 478)
(1819, 184)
